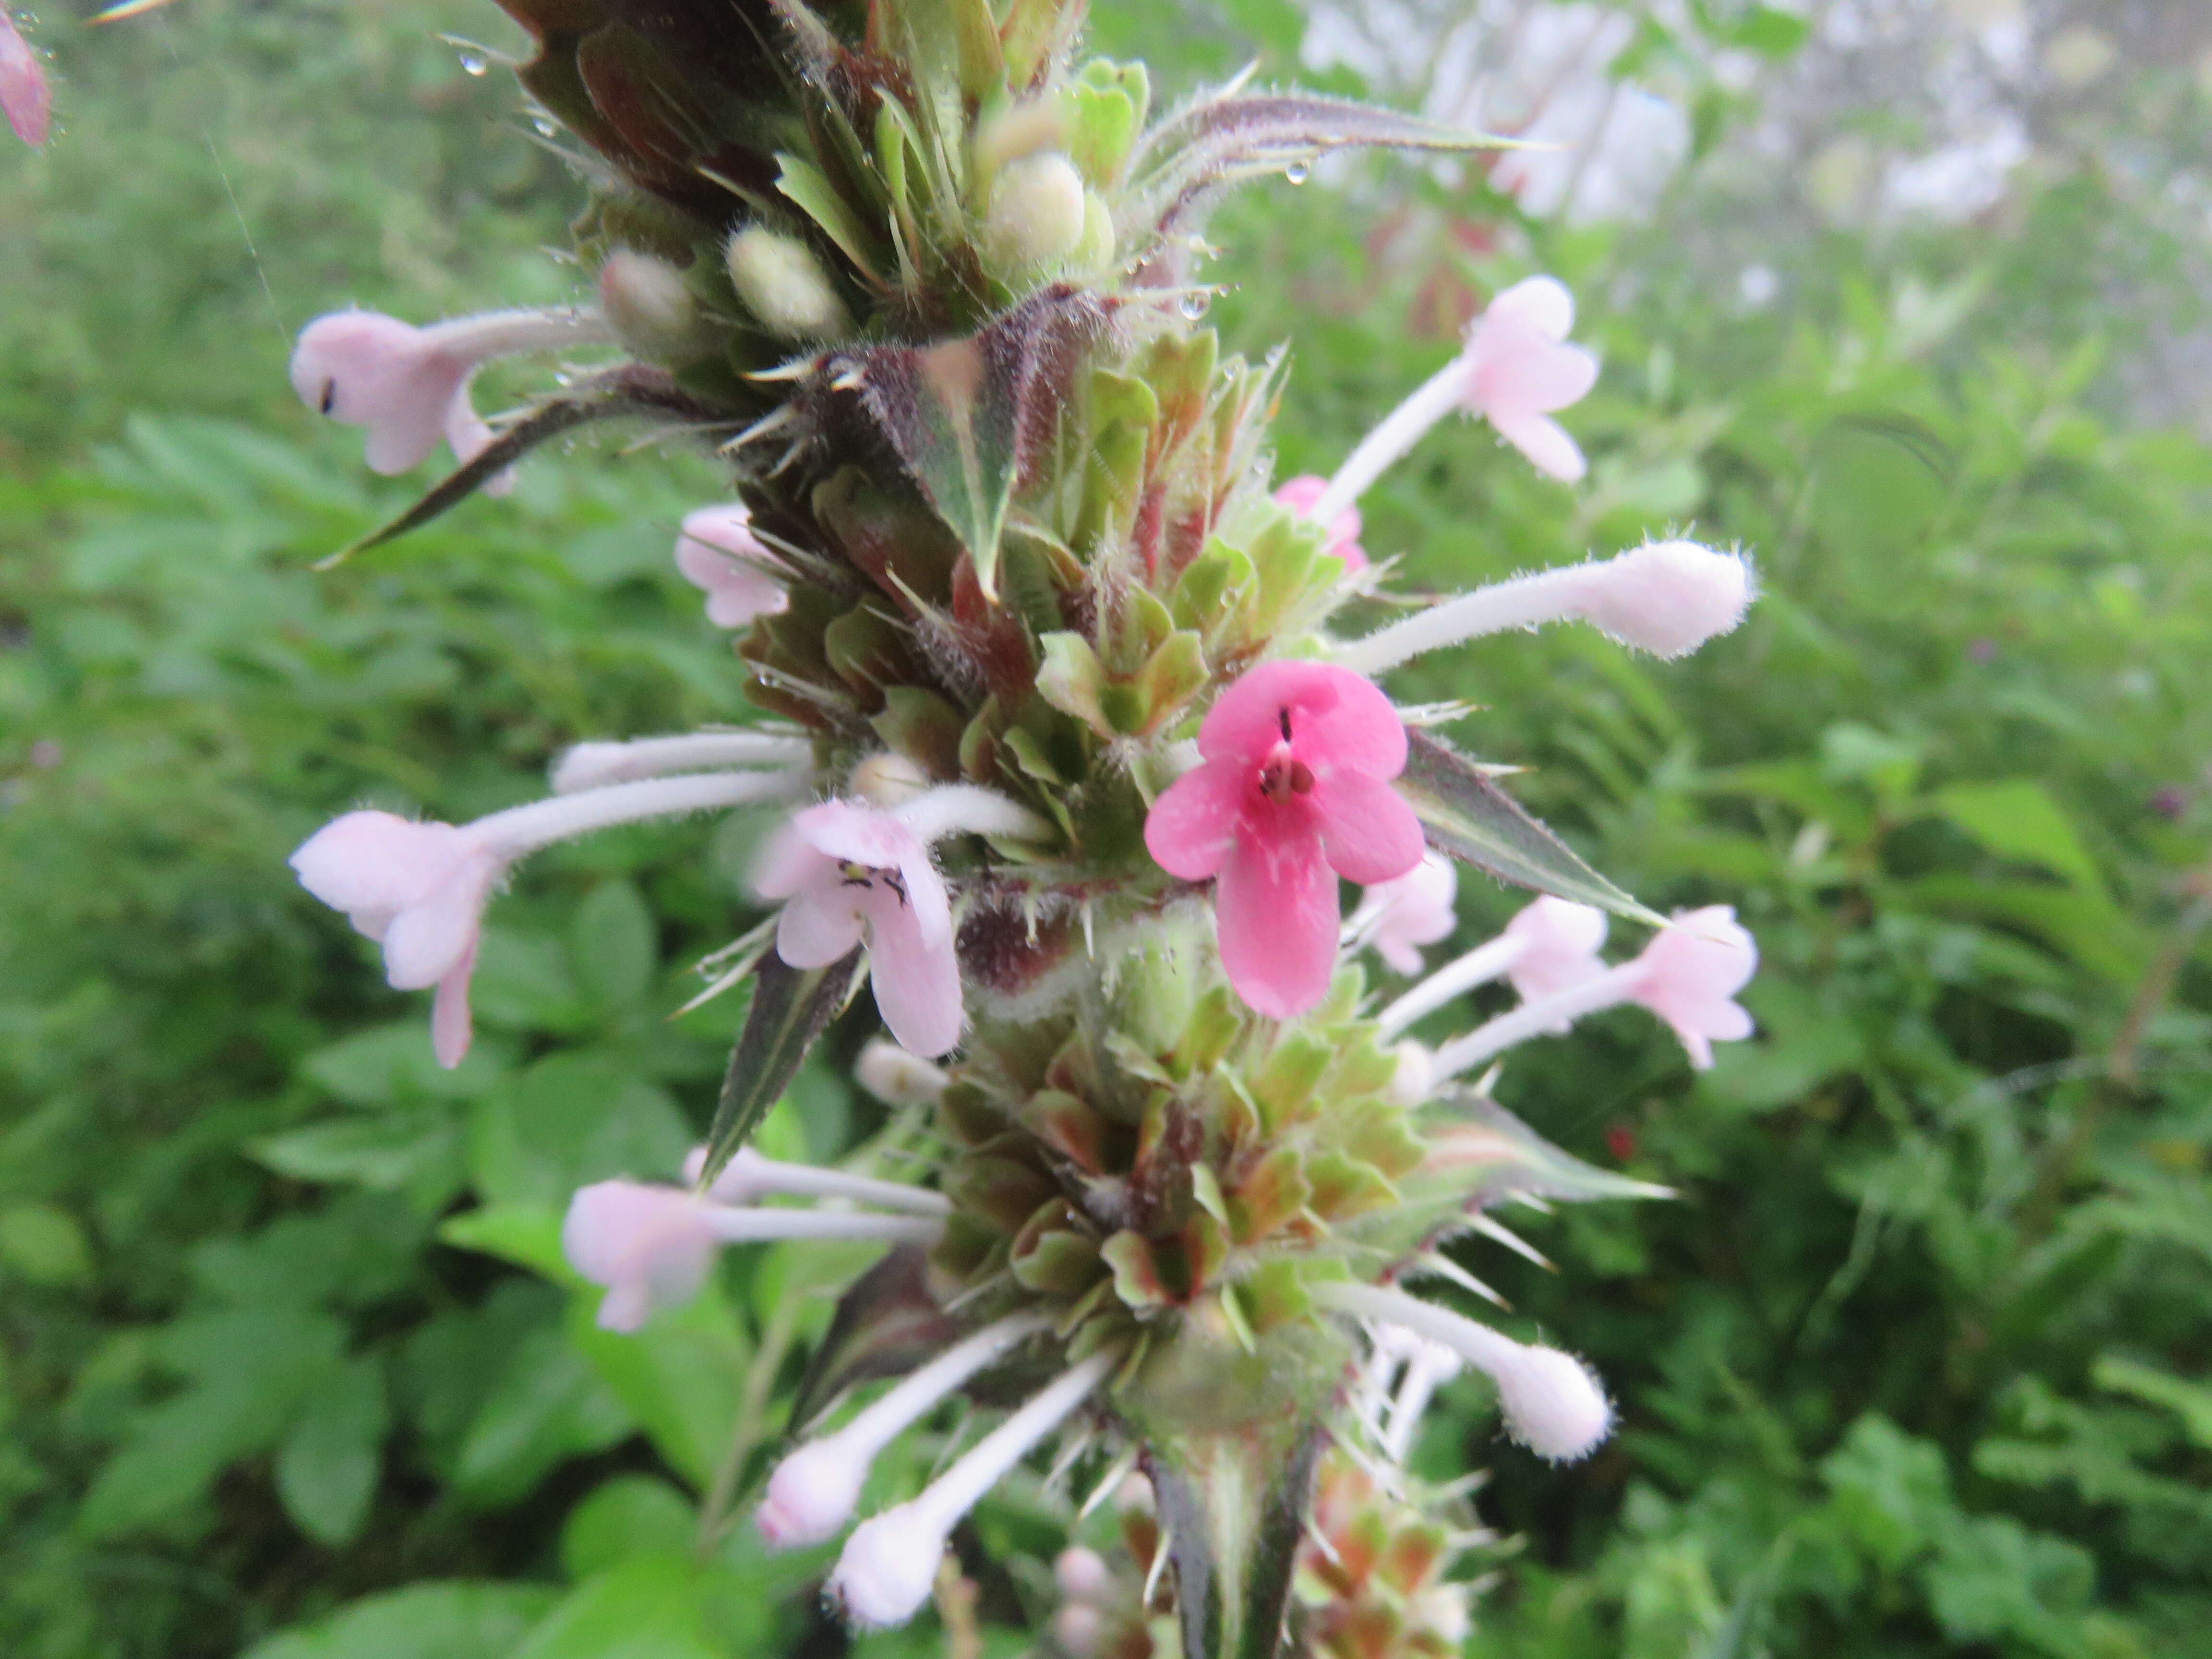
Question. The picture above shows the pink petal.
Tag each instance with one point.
(468, 434)
(926, 901)
(25, 97)
(917, 980)
(850, 833)
(1545, 442)
(373, 371)
(1300, 493)
(376, 864)
(726, 528)
(1337, 718)
(650, 1246)
(1369, 833)
(451, 1028)
(1276, 912)
(1543, 305)
(818, 926)
(1693, 970)
(742, 595)
(433, 937)
(788, 864)
(1193, 824)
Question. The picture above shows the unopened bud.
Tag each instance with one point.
(1076, 1627)
(898, 1077)
(887, 779)
(1553, 1404)
(888, 1567)
(649, 304)
(784, 286)
(1022, 130)
(811, 1495)
(1415, 1077)
(1082, 1574)
(1667, 598)
(1037, 210)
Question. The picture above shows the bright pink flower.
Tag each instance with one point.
(25, 98)
(1396, 918)
(1519, 368)
(1300, 494)
(1294, 785)
(846, 870)
(1691, 973)
(718, 554)
(416, 888)
(650, 1246)
(1559, 943)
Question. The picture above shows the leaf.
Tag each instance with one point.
(885, 1325)
(326, 1472)
(1234, 1508)
(43, 1244)
(630, 1516)
(790, 1007)
(2191, 1401)
(648, 1607)
(680, 1377)
(2017, 819)
(615, 945)
(386, 1153)
(805, 184)
(966, 415)
(574, 1117)
(1494, 1155)
(2085, 926)
(547, 1406)
(449, 1619)
(628, 390)
(1466, 814)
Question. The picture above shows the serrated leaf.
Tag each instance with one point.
(790, 1007)
(1466, 814)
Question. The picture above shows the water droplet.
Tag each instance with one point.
(544, 125)
(472, 63)
(1193, 305)
(1299, 172)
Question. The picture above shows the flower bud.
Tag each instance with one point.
(649, 304)
(1667, 598)
(1082, 1574)
(1553, 1404)
(886, 779)
(1415, 1077)
(812, 1493)
(888, 1567)
(895, 1076)
(1076, 1627)
(1037, 210)
(784, 286)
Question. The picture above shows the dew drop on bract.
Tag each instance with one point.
(1193, 305)
(472, 63)
(1299, 172)
(546, 129)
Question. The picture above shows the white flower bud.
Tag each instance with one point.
(1552, 1404)
(888, 1567)
(887, 779)
(1082, 1574)
(1076, 1627)
(649, 304)
(811, 1495)
(1411, 1083)
(784, 286)
(1037, 210)
(1667, 598)
(898, 1077)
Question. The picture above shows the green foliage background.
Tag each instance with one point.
(1920, 1363)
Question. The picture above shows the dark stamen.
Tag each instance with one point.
(1282, 720)
(330, 396)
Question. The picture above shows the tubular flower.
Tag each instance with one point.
(1519, 368)
(1396, 918)
(1294, 785)
(719, 554)
(409, 385)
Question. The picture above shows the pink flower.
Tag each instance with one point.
(25, 98)
(718, 554)
(1293, 785)
(1691, 973)
(1398, 917)
(846, 870)
(409, 386)
(416, 888)
(1301, 493)
(650, 1246)
(1559, 942)
(1519, 367)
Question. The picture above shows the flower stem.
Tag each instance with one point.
(1401, 428)
(1483, 963)
(1608, 989)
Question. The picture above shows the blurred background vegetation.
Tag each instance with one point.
(1905, 297)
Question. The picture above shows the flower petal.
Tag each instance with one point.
(1544, 305)
(25, 98)
(1336, 718)
(1367, 831)
(917, 980)
(1193, 824)
(433, 937)
(1545, 442)
(818, 926)
(1276, 913)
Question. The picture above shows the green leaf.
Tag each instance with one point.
(42, 1244)
(449, 1619)
(326, 1472)
(2017, 819)
(387, 1153)
(2191, 1401)
(574, 1117)
(648, 1607)
(790, 1007)
(528, 1235)
(394, 1062)
(1466, 814)
(548, 1406)
(1071, 680)
(630, 1516)
(616, 944)
(803, 183)
(680, 1377)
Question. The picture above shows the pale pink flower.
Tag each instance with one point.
(1342, 542)
(718, 554)
(1520, 367)
(25, 98)
(847, 871)
(650, 1246)
(1691, 974)
(1292, 791)
(409, 387)
(416, 888)
(1396, 918)
(1559, 941)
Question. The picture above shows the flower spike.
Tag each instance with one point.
(1293, 791)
